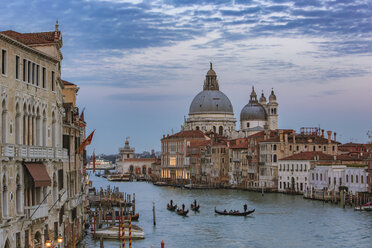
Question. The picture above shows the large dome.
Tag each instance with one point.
(253, 111)
(211, 101)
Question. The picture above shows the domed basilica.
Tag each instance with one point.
(211, 110)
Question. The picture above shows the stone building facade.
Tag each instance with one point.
(72, 213)
(175, 160)
(31, 137)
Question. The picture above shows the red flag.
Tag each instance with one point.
(94, 162)
(82, 115)
(85, 143)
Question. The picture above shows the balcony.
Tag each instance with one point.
(7, 150)
(36, 212)
(33, 152)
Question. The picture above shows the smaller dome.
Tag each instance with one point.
(253, 111)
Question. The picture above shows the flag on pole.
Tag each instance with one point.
(85, 143)
(82, 115)
(94, 162)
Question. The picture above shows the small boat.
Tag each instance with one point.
(112, 232)
(366, 207)
(182, 212)
(171, 207)
(195, 208)
(234, 213)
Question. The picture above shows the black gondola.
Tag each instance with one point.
(234, 213)
(171, 207)
(182, 212)
(195, 208)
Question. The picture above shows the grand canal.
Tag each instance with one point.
(279, 220)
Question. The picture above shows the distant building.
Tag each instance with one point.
(127, 163)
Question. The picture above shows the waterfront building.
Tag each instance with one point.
(326, 178)
(244, 156)
(73, 188)
(127, 163)
(286, 143)
(32, 156)
(293, 171)
(175, 164)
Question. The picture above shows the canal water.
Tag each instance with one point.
(279, 221)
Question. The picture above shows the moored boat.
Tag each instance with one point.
(366, 207)
(112, 233)
(234, 213)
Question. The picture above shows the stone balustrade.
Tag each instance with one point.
(36, 212)
(33, 152)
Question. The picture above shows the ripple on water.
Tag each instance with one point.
(279, 221)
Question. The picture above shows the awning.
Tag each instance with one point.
(39, 174)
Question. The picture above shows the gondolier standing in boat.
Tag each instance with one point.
(171, 203)
(245, 208)
(195, 203)
(183, 207)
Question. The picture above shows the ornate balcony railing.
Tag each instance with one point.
(33, 152)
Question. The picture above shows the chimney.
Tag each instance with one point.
(329, 133)
(294, 136)
(322, 133)
(286, 138)
(163, 136)
(335, 135)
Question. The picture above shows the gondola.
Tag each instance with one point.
(182, 212)
(195, 208)
(171, 207)
(235, 214)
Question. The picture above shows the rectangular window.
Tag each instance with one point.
(37, 74)
(33, 73)
(18, 240)
(3, 62)
(29, 68)
(60, 179)
(27, 242)
(17, 67)
(44, 77)
(361, 179)
(24, 70)
(53, 80)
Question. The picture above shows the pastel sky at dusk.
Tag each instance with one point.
(140, 63)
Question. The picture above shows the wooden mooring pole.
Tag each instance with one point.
(153, 213)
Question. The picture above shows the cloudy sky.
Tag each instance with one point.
(140, 63)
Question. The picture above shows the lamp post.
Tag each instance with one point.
(48, 243)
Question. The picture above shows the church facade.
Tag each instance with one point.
(211, 110)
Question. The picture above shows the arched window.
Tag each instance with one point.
(197, 127)
(55, 188)
(4, 122)
(54, 124)
(144, 169)
(44, 129)
(214, 129)
(17, 125)
(5, 197)
(220, 130)
(37, 239)
(38, 127)
(247, 124)
(24, 124)
(275, 159)
(18, 195)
